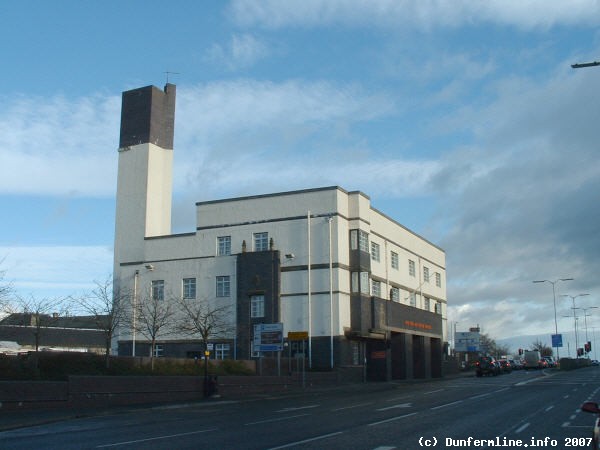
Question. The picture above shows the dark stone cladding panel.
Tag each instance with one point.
(258, 273)
(148, 116)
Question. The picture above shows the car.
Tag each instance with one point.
(595, 362)
(550, 361)
(486, 365)
(592, 407)
(505, 365)
(515, 364)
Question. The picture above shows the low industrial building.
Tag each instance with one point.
(349, 285)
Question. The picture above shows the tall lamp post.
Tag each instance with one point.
(573, 297)
(585, 316)
(554, 300)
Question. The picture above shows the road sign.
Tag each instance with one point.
(557, 340)
(268, 337)
(297, 335)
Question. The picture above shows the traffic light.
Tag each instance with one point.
(520, 351)
(579, 352)
(587, 346)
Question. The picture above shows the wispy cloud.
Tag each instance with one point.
(423, 15)
(242, 51)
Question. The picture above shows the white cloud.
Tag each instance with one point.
(58, 145)
(55, 271)
(241, 52)
(424, 15)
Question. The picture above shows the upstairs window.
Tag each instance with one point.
(223, 286)
(438, 279)
(426, 274)
(189, 288)
(261, 242)
(223, 245)
(359, 240)
(395, 294)
(375, 251)
(411, 268)
(257, 306)
(394, 258)
(376, 288)
(413, 299)
(158, 290)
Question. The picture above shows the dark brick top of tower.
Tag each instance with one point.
(148, 116)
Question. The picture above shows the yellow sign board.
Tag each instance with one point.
(297, 335)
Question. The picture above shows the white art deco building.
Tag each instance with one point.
(323, 262)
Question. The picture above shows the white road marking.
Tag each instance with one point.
(402, 405)
(352, 406)
(296, 408)
(522, 427)
(155, 438)
(316, 438)
(447, 404)
(278, 419)
(391, 420)
(432, 392)
(549, 408)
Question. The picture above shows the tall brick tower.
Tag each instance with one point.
(145, 177)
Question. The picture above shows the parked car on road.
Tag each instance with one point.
(486, 365)
(515, 364)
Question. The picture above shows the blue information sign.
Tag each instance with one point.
(557, 340)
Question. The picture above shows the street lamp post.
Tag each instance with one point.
(585, 316)
(554, 300)
(573, 297)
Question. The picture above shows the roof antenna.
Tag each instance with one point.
(170, 73)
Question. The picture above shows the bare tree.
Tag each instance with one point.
(153, 318)
(542, 348)
(6, 290)
(204, 319)
(39, 314)
(106, 308)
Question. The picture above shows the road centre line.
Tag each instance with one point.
(549, 408)
(156, 438)
(277, 419)
(522, 427)
(447, 404)
(316, 438)
(433, 392)
(401, 405)
(391, 419)
(297, 408)
(352, 406)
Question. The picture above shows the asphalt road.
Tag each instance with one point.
(534, 409)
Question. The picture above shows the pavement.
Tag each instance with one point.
(11, 420)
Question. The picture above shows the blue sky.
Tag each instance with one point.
(462, 120)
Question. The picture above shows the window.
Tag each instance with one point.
(375, 251)
(359, 240)
(376, 288)
(395, 264)
(158, 290)
(395, 294)
(360, 282)
(223, 286)
(413, 299)
(261, 242)
(411, 268)
(158, 350)
(438, 279)
(223, 245)
(189, 288)
(221, 351)
(257, 306)
(426, 274)
(426, 304)
(438, 308)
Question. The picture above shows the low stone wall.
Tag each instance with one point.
(572, 363)
(103, 391)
